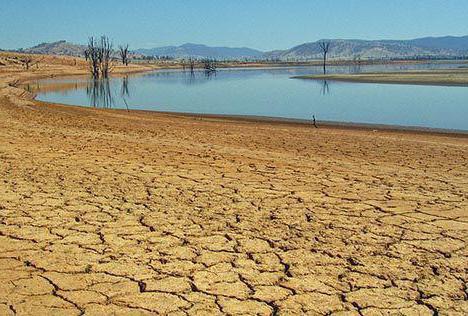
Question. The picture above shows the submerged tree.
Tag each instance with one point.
(93, 57)
(123, 52)
(209, 65)
(191, 64)
(105, 58)
(99, 57)
(324, 46)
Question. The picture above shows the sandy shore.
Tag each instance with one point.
(114, 212)
(447, 77)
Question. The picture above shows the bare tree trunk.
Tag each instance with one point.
(93, 57)
(26, 61)
(324, 63)
(324, 46)
(105, 50)
(192, 65)
(99, 57)
(123, 51)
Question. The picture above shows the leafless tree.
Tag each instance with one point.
(26, 61)
(356, 65)
(192, 64)
(99, 57)
(105, 58)
(209, 65)
(93, 57)
(86, 54)
(325, 47)
(123, 52)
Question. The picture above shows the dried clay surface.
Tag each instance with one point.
(106, 212)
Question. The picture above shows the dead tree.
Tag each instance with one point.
(93, 57)
(26, 61)
(192, 64)
(99, 57)
(324, 46)
(123, 52)
(105, 56)
(209, 65)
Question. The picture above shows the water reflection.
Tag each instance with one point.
(99, 93)
(200, 77)
(124, 92)
(270, 92)
(191, 77)
(325, 88)
(210, 74)
(355, 68)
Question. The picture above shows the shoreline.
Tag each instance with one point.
(441, 77)
(135, 212)
(269, 119)
(273, 120)
(138, 69)
(327, 124)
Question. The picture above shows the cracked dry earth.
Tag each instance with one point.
(109, 212)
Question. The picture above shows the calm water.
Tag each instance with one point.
(271, 92)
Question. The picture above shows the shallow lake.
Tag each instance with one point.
(272, 93)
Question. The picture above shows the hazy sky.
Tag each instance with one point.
(261, 24)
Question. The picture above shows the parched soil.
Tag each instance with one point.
(112, 212)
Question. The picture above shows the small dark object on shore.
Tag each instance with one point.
(88, 268)
(314, 121)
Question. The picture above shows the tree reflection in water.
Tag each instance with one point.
(198, 77)
(325, 88)
(355, 68)
(209, 74)
(124, 92)
(190, 78)
(99, 93)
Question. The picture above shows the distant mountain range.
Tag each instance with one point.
(448, 46)
(202, 51)
(348, 49)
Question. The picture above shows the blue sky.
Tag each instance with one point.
(261, 24)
